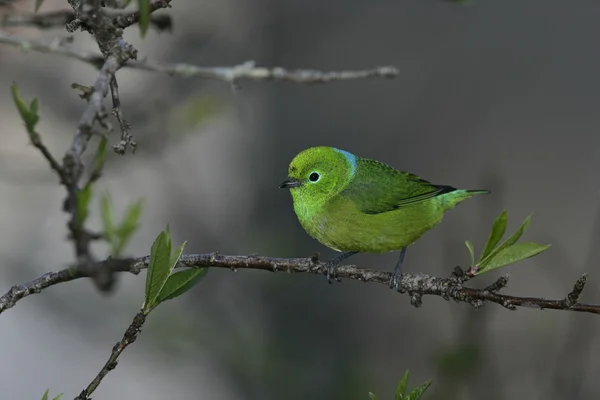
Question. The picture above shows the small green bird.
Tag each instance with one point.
(357, 205)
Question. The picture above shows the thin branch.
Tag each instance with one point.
(128, 338)
(126, 137)
(56, 46)
(48, 20)
(115, 53)
(249, 70)
(36, 140)
(60, 18)
(125, 21)
(230, 74)
(415, 284)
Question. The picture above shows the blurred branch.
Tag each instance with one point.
(231, 74)
(128, 338)
(48, 20)
(58, 19)
(91, 16)
(415, 284)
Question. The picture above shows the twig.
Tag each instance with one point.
(249, 70)
(128, 338)
(48, 20)
(126, 137)
(115, 53)
(57, 19)
(124, 21)
(415, 284)
(246, 70)
(56, 167)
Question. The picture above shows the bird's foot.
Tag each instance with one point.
(394, 284)
(332, 271)
(332, 265)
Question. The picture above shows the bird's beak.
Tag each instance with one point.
(290, 183)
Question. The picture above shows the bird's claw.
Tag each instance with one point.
(332, 272)
(394, 284)
(332, 265)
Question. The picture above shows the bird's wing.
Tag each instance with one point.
(377, 188)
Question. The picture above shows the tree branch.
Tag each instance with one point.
(244, 71)
(58, 19)
(415, 284)
(129, 337)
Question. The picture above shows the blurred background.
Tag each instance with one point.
(499, 95)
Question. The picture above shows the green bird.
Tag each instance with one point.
(358, 205)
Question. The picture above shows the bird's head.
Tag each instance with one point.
(318, 173)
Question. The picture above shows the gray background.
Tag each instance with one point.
(500, 95)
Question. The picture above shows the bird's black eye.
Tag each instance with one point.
(313, 177)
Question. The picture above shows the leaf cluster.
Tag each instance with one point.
(161, 285)
(508, 252)
(401, 394)
(29, 113)
(46, 394)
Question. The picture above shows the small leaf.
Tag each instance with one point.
(128, 226)
(38, 4)
(513, 254)
(158, 269)
(498, 230)
(83, 198)
(180, 282)
(175, 256)
(33, 113)
(28, 114)
(508, 242)
(21, 106)
(372, 396)
(144, 11)
(471, 251)
(100, 156)
(45, 396)
(107, 217)
(418, 391)
(58, 397)
(401, 389)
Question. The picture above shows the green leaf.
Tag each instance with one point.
(401, 389)
(175, 256)
(128, 226)
(100, 156)
(29, 115)
(144, 11)
(471, 251)
(508, 242)
(107, 217)
(158, 268)
(513, 254)
(498, 230)
(82, 198)
(180, 282)
(38, 4)
(21, 106)
(33, 112)
(45, 396)
(372, 396)
(418, 391)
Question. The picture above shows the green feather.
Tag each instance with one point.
(363, 205)
(378, 188)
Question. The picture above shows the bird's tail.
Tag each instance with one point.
(478, 191)
(451, 200)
